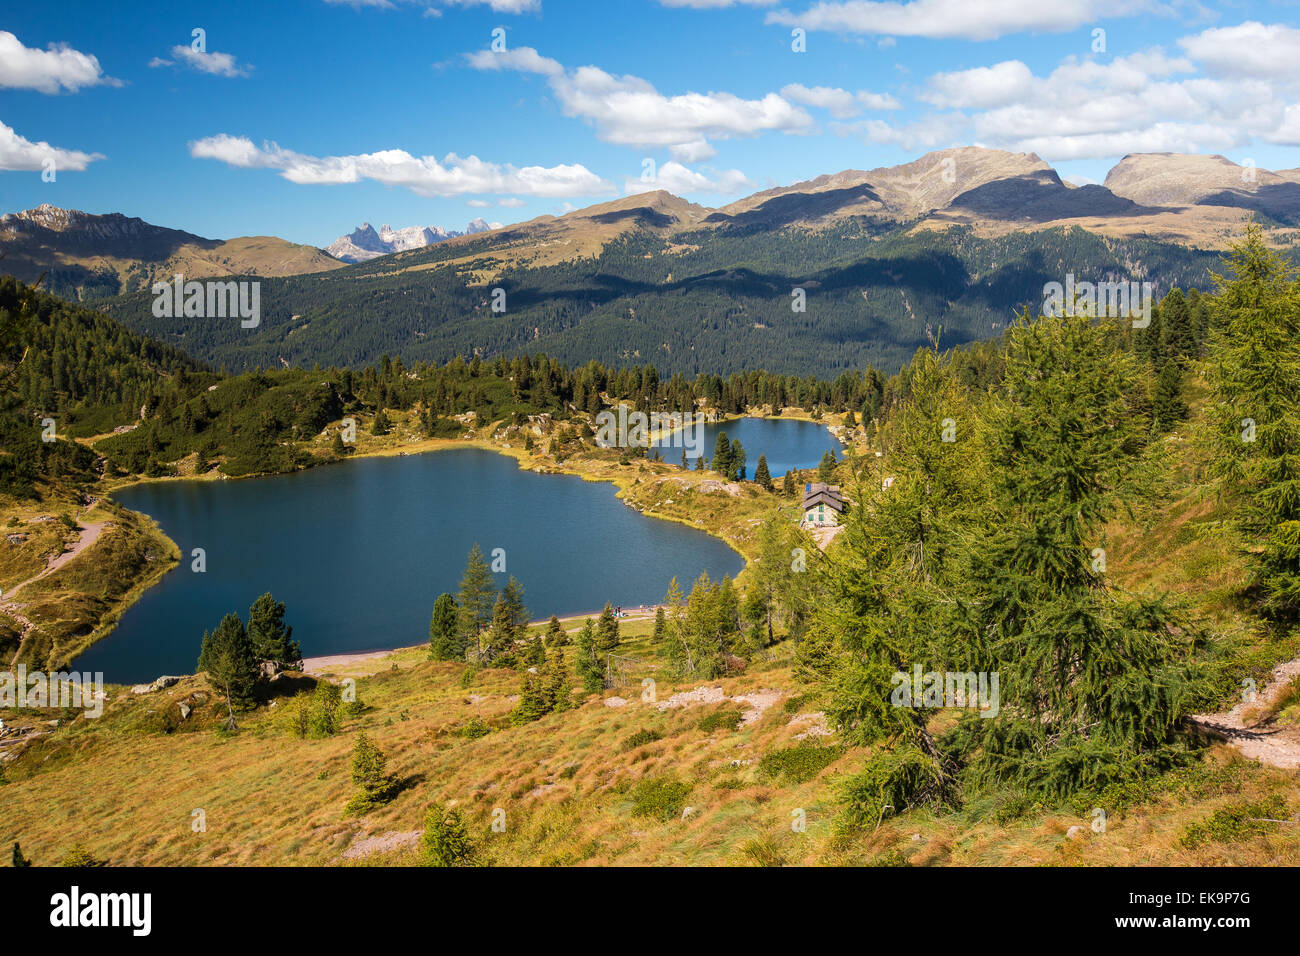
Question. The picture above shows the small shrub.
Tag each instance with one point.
(800, 763)
(764, 852)
(473, 729)
(659, 797)
(724, 718)
(80, 856)
(640, 739)
(1237, 822)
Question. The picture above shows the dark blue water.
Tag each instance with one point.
(359, 552)
(787, 443)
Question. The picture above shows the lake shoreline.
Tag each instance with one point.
(581, 467)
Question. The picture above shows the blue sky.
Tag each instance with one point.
(303, 119)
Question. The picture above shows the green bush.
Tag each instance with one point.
(724, 718)
(659, 797)
(1237, 822)
(640, 739)
(798, 764)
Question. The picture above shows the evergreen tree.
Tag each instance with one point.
(380, 426)
(1255, 376)
(661, 627)
(722, 455)
(587, 661)
(17, 859)
(446, 639)
(1099, 679)
(446, 840)
(607, 629)
(1178, 333)
(761, 475)
(475, 600)
(227, 657)
(736, 460)
(559, 692)
(555, 633)
(325, 714)
(270, 636)
(826, 469)
(374, 786)
(1167, 405)
(534, 703)
(339, 448)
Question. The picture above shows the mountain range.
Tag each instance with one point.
(364, 244)
(86, 256)
(948, 247)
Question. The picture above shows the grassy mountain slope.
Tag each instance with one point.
(703, 300)
(86, 256)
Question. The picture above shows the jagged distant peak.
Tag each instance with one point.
(365, 243)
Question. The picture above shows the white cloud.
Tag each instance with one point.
(19, 154)
(980, 88)
(878, 101)
(716, 4)
(48, 71)
(1251, 49)
(500, 6)
(425, 175)
(840, 103)
(478, 203)
(497, 6)
(677, 179)
(986, 20)
(629, 111)
(217, 64)
(510, 202)
(1143, 102)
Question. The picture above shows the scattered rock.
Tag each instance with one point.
(159, 684)
(1074, 833)
(616, 702)
(185, 711)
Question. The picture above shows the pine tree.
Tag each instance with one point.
(607, 629)
(1167, 405)
(1178, 333)
(446, 840)
(722, 455)
(339, 448)
(17, 859)
(587, 661)
(1099, 678)
(660, 628)
(761, 475)
(227, 657)
(446, 640)
(559, 692)
(737, 460)
(1256, 420)
(534, 703)
(380, 426)
(476, 599)
(555, 633)
(374, 786)
(270, 636)
(826, 469)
